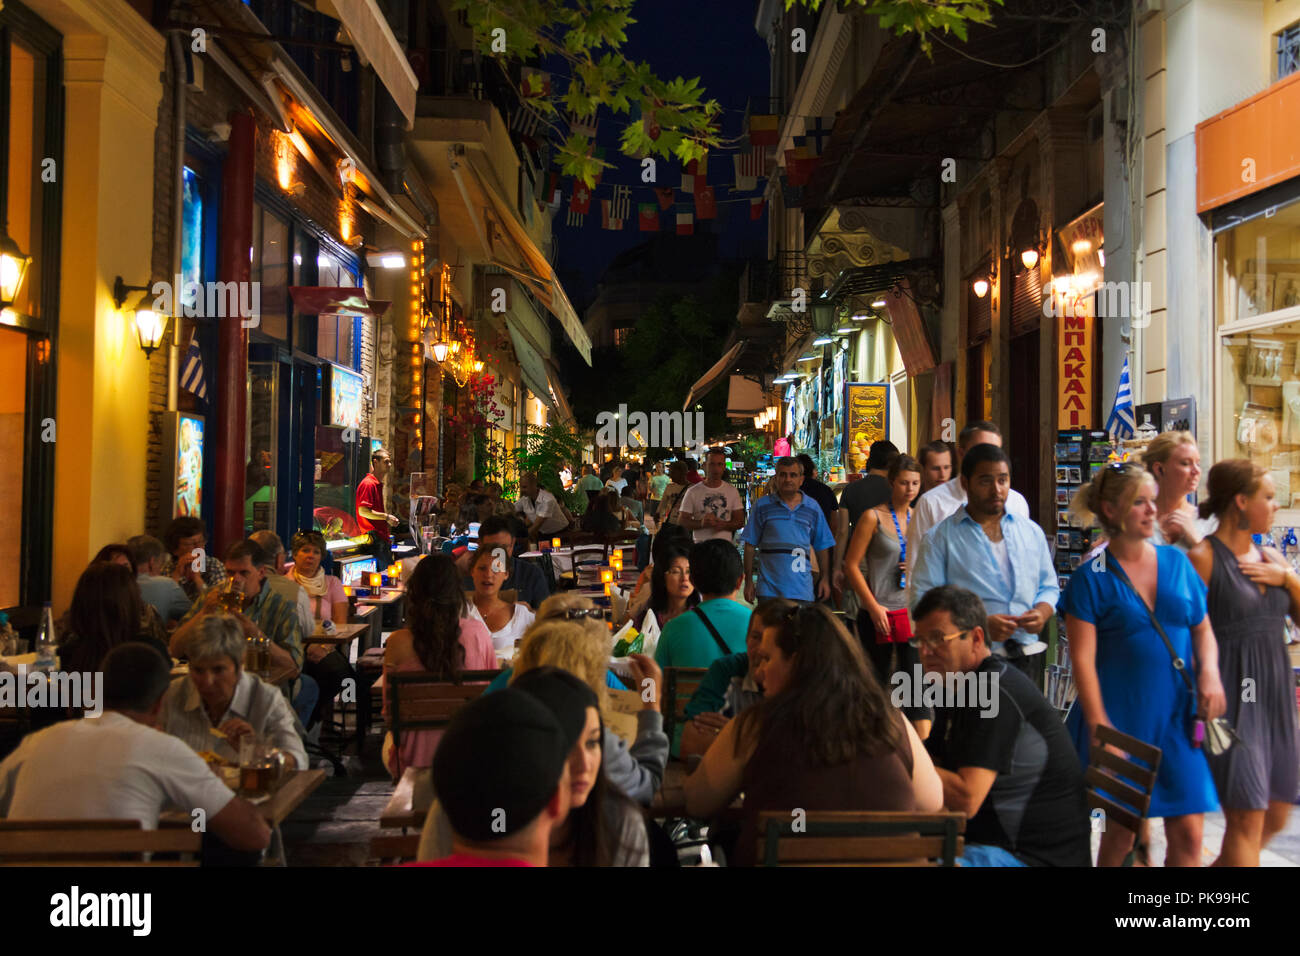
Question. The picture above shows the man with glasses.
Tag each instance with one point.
(1010, 767)
(1002, 557)
(786, 528)
(716, 626)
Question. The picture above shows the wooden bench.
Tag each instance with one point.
(95, 843)
(389, 849)
(826, 838)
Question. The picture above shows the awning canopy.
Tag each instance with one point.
(532, 365)
(511, 248)
(713, 376)
(375, 43)
(335, 300)
(745, 397)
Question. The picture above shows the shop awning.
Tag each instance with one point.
(745, 397)
(713, 376)
(375, 43)
(532, 365)
(335, 300)
(511, 248)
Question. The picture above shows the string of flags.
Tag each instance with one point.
(751, 163)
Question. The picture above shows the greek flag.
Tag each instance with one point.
(1121, 422)
(192, 371)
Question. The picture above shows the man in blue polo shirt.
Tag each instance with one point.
(786, 527)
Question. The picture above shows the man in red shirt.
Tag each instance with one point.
(371, 515)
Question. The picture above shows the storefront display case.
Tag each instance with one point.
(1257, 278)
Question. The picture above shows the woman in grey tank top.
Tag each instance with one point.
(873, 566)
(1250, 591)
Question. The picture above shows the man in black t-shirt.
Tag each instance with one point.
(872, 489)
(1002, 752)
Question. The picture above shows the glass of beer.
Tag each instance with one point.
(261, 767)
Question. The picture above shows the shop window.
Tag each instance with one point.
(271, 263)
(26, 149)
(1288, 51)
(260, 479)
(1258, 304)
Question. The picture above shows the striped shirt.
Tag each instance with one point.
(274, 616)
(785, 538)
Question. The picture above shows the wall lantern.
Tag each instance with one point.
(13, 269)
(980, 287)
(150, 324)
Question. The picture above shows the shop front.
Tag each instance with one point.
(1255, 223)
(32, 118)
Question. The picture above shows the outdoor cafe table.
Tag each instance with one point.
(296, 788)
(344, 634)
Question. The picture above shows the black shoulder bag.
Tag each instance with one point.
(1217, 735)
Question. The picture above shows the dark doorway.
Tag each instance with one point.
(1022, 444)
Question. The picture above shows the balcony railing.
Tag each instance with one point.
(765, 281)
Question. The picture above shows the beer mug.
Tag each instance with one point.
(261, 767)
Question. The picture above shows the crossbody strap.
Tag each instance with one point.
(726, 651)
(1179, 664)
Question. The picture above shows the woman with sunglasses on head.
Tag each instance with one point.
(1251, 590)
(825, 737)
(1125, 674)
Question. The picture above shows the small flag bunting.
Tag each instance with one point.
(647, 217)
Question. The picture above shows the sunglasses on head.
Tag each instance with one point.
(595, 613)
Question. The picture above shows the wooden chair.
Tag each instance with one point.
(830, 838)
(390, 849)
(95, 843)
(1120, 788)
(420, 701)
(680, 685)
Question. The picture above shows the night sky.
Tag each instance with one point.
(716, 42)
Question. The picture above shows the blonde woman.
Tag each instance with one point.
(1124, 674)
(570, 633)
(1174, 461)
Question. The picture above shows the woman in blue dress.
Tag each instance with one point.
(1122, 670)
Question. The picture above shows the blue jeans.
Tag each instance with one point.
(304, 702)
(978, 854)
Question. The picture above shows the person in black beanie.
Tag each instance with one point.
(501, 774)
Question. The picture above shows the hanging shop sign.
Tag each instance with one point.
(866, 420)
(1076, 369)
(1082, 240)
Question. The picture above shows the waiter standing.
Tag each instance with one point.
(371, 515)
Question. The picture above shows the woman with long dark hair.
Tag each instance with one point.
(604, 827)
(1251, 589)
(439, 639)
(825, 737)
(106, 610)
(671, 590)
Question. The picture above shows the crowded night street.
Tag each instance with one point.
(655, 434)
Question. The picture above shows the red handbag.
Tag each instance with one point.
(900, 628)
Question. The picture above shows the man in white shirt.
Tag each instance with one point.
(943, 500)
(712, 508)
(541, 511)
(118, 767)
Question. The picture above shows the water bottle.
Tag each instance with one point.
(47, 642)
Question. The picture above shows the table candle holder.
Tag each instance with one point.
(555, 542)
(606, 576)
